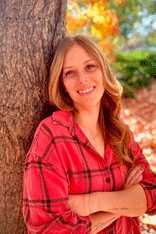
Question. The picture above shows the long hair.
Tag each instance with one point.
(115, 132)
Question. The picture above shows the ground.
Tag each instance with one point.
(140, 115)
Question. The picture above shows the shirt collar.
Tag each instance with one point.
(66, 119)
(62, 117)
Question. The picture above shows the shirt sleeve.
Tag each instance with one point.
(45, 202)
(149, 179)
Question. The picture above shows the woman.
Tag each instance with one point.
(84, 172)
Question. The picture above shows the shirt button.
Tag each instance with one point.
(108, 180)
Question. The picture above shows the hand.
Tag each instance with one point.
(80, 204)
(134, 176)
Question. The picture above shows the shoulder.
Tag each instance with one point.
(55, 121)
(49, 131)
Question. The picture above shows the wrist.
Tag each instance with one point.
(87, 204)
(95, 202)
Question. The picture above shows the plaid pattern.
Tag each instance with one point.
(62, 161)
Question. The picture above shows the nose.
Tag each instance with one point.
(82, 78)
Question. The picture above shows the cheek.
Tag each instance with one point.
(64, 83)
(66, 86)
(101, 82)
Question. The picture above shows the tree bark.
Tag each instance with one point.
(30, 31)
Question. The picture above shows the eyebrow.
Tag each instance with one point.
(84, 63)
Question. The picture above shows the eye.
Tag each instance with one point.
(90, 66)
(68, 73)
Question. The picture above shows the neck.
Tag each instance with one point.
(88, 119)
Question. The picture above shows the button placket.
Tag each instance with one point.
(108, 179)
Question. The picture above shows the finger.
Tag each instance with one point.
(136, 177)
(134, 170)
(131, 173)
(138, 180)
(134, 174)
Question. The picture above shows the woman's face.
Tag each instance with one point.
(82, 78)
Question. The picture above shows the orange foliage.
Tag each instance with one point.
(121, 2)
(92, 2)
(107, 46)
(96, 19)
(74, 23)
(105, 21)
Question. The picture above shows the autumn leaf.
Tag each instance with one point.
(95, 19)
(121, 2)
(140, 115)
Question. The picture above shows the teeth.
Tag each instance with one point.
(86, 91)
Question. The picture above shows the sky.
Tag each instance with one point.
(148, 23)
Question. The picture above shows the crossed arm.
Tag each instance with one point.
(103, 208)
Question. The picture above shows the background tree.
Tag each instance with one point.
(151, 39)
(29, 34)
(127, 14)
(109, 22)
(95, 19)
(130, 15)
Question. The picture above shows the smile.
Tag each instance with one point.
(86, 90)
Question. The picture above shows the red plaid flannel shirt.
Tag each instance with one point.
(62, 161)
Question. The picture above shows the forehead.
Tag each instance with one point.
(76, 54)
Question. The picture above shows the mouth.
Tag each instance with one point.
(88, 90)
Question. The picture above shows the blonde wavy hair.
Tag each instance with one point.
(115, 132)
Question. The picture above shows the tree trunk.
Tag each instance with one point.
(30, 31)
